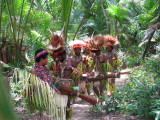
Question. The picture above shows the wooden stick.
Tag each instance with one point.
(64, 89)
(63, 79)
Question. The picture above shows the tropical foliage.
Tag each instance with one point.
(40, 96)
(26, 25)
(141, 95)
(6, 109)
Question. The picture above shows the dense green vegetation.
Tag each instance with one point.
(6, 110)
(26, 25)
(141, 95)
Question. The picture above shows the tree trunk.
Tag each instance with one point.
(79, 27)
(106, 17)
(147, 46)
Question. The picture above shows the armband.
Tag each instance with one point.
(115, 71)
(53, 86)
(76, 88)
(87, 80)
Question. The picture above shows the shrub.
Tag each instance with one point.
(141, 95)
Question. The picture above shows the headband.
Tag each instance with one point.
(58, 52)
(40, 54)
(77, 46)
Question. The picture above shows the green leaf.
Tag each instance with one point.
(154, 10)
(6, 110)
(120, 13)
(67, 7)
(144, 18)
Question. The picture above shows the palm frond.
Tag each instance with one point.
(6, 110)
(41, 96)
(144, 18)
(155, 9)
(148, 4)
(67, 7)
(120, 13)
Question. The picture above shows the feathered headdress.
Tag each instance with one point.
(110, 40)
(76, 44)
(56, 42)
(96, 43)
(86, 42)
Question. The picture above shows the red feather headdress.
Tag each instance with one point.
(96, 43)
(56, 42)
(110, 40)
(86, 42)
(76, 44)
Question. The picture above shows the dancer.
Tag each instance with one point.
(112, 60)
(95, 46)
(41, 70)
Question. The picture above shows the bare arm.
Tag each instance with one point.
(33, 71)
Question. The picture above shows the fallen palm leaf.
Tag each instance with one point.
(40, 95)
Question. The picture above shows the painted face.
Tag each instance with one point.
(55, 57)
(61, 58)
(109, 48)
(97, 52)
(77, 51)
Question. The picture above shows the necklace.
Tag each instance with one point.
(78, 58)
(43, 73)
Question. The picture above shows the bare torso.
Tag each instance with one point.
(66, 68)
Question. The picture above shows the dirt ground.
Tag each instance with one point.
(81, 110)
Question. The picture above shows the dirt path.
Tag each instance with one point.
(81, 110)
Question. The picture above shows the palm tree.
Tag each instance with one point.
(15, 17)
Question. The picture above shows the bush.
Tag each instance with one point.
(141, 96)
(130, 56)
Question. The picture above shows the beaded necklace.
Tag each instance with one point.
(43, 73)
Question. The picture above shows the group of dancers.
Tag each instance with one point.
(79, 62)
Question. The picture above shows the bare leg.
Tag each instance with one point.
(88, 88)
(68, 110)
(75, 82)
(88, 91)
(101, 87)
(111, 86)
(95, 89)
